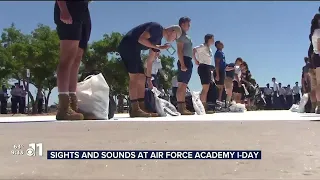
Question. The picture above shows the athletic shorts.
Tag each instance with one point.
(228, 83)
(236, 88)
(131, 57)
(78, 31)
(204, 72)
(185, 76)
(222, 76)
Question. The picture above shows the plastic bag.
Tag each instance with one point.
(163, 107)
(93, 96)
(197, 104)
(303, 102)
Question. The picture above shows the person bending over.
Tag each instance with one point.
(143, 37)
(220, 64)
(73, 27)
(184, 50)
(202, 55)
(232, 84)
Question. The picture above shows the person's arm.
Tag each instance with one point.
(62, 6)
(144, 40)
(155, 30)
(195, 51)
(180, 45)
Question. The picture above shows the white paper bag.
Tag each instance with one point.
(197, 104)
(245, 89)
(163, 107)
(93, 96)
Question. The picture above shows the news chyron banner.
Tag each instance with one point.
(148, 154)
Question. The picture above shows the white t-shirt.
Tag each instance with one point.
(156, 65)
(267, 91)
(282, 91)
(315, 37)
(174, 81)
(275, 86)
(296, 90)
(204, 54)
(237, 72)
(288, 91)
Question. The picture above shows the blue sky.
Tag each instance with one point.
(271, 36)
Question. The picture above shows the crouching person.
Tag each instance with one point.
(143, 37)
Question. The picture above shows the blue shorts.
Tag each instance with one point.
(185, 76)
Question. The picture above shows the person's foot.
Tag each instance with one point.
(143, 108)
(64, 110)
(205, 105)
(74, 102)
(137, 112)
(183, 110)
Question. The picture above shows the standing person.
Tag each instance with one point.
(184, 50)
(220, 64)
(289, 97)
(296, 93)
(15, 98)
(143, 37)
(22, 103)
(233, 76)
(4, 99)
(202, 55)
(313, 78)
(275, 94)
(74, 28)
(174, 87)
(40, 101)
(315, 37)
(268, 92)
(282, 94)
(157, 68)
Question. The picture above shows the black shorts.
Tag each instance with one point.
(185, 76)
(236, 88)
(316, 60)
(204, 72)
(222, 76)
(131, 57)
(78, 31)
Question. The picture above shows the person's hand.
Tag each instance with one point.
(65, 17)
(183, 68)
(217, 78)
(150, 85)
(165, 46)
(197, 62)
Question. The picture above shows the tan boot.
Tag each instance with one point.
(205, 105)
(183, 110)
(136, 111)
(74, 102)
(143, 108)
(64, 110)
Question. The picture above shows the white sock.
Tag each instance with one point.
(72, 92)
(64, 93)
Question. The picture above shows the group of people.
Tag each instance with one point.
(74, 27)
(18, 99)
(311, 71)
(279, 97)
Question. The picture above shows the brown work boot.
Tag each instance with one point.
(64, 110)
(74, 102)
(205, 105)
(136, 111)
(143, 108)
(183, 110)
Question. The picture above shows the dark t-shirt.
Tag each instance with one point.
(231, 73)
(155, 30)
(220, 55)
(78, 10)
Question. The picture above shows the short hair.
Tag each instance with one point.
(175, 28)
(273, 78)
(184, 20)
(306, 59)
(207, 37)
(297, 83)
(244, 64)
(239, 59)
(217, 43)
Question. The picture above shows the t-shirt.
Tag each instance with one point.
(306, 68)
(315, 37)
(288, 91)
(282, 91)
(220, 55)
(187, 44)
(156, 66)
(237, 72)
(296, 90)
(231, 73)
(275, 86)
(267, 91)
(156, 35)
(78, 10)
(204, 54)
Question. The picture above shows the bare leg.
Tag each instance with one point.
(75, 71)
(220, 91)
(204, 93)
